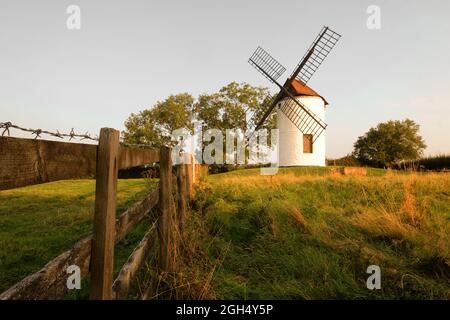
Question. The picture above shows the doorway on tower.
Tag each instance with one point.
(308, 143)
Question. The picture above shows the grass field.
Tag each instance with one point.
(305, 234)
(302, 234)
(39, 222)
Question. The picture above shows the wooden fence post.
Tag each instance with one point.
(197, 172)
(181, 184)
(105, 215)
(189, 178)
(165, 219)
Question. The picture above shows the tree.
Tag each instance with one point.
(232, 107)
(228, 108)
(225, 109)
(154, 126)
(390, 143)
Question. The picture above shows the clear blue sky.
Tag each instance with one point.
(129, 54)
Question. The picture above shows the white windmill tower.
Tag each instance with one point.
(300, 109)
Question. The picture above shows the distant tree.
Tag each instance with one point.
(155, 125)
(389, 143)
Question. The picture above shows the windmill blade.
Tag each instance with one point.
(303, 118)
(269, 110)
(262, 61)
(267, 65)
(256, 120)
(316, 54)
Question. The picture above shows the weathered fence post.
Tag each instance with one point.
(189, 177)
(181, 184)
(105, 215)
(165, 220)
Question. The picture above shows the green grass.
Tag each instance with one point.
(306, 234)
(39, 222)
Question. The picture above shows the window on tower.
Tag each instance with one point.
(307, 143)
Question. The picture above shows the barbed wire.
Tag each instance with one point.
(6, 126)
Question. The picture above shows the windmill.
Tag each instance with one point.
(300, 109)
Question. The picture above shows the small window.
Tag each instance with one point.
(307, 143)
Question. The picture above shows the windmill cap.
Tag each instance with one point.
(299, 88)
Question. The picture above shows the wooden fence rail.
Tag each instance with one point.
(95, 253)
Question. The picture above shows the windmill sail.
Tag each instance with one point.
(258, 123)
(303, 118)
(270, 68)
(266, 64)
(316, 54)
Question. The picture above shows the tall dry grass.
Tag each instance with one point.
(400, 221)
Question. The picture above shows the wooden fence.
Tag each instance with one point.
(24, 162)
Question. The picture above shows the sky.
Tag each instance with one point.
(128, 55)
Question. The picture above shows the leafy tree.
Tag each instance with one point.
(229, 108)
(226, 109)
(154, 126)
(389, 143)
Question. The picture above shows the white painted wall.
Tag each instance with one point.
(291, 139)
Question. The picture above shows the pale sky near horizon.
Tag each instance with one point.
(130, 54)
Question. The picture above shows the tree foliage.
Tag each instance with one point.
(155, 125)
(389, 143)
(226, 109)
(229, 108)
